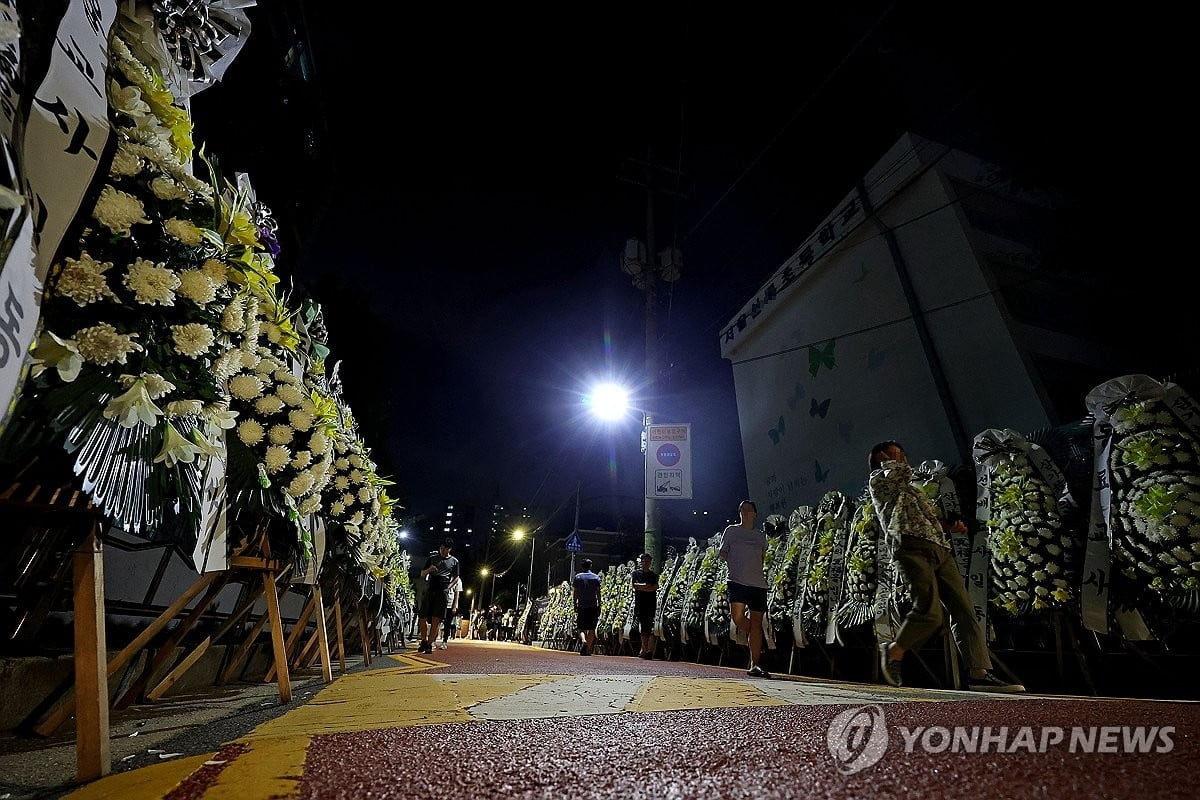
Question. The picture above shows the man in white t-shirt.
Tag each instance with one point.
(744, 548)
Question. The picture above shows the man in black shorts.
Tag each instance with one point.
(441, 570)
(587, 606)
(645, 602)
(744, 547)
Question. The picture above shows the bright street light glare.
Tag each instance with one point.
(609, 401)
(518, 534)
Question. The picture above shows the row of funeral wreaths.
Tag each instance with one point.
(188, 394)
(1036, 548)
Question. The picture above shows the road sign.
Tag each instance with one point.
(574, 543)
(669, 461)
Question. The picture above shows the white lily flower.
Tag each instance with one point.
(176, 448)
(60, 354)
(133, 407)
(208, 449)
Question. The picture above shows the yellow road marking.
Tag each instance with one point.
(392, 699)
(271, 767)
(675, 694)
(152, 781)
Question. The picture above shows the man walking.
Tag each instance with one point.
(586, 587)
(744, 548)
(441, 571)
(924, 558)
(645, 602)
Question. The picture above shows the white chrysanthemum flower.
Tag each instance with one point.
(157, 385)
(364, 495)
(184, 231)
(233, 319)
(356, 475)
(192, 339)
(250, 360)
(125, 163)
(119, 211)
(356, 460)
(195, 285)
(280, 434)
(184, 408)
(245, 387)
(348, 499)
(291, 394)
(269, 404)
(357, 518)
(300, 485)
(342, 463)
(102, 344)
(250, 431)
(337, 509)
(218, 416)
(82, 280)
(277, 458)
(227, 365)
(341, 483)
(274, 332)
(164, 188)
(318, 443)
(320, 470)
(216, 271)
(302, 459)
(310, 505)
(1053, 568)
(151, 284)
(300, 420)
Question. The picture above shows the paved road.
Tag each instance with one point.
(491, 719)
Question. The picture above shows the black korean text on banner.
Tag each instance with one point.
(67, 130)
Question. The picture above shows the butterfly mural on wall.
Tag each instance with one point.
(863, 276)
(776, 433)
(819, 409)
(821, 357)
(818, 473)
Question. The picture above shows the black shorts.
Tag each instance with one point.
(434, 604)
(645, 619)
(753, 597)
(586, 618)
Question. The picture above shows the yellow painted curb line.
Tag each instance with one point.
(155, 780)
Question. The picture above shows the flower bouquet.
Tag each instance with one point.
(862, 569)
(670, 570)
(673, 604)
(782, 564)
(700, 587)
(137, 312)
(1148, 447)
(558, 620)
(811, 610)
(716, 615)
(1034, 557)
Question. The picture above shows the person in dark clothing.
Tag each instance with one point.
(645, 603)
(586, 587)
(441, 571)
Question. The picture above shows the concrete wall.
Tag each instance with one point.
(833, 363)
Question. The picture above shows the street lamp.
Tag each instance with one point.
(519, 535)
(610, 402)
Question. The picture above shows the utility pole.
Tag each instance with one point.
(646, 266)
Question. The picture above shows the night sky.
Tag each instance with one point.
(471, 217)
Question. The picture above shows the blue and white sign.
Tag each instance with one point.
(669, 461)
(574, 543)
